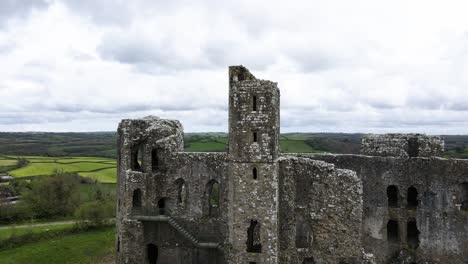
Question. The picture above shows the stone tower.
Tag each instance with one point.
(254, 122)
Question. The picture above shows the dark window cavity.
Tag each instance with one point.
(152, 253)
(413, 147)
(253, 237)
(255, 136)
(213, 197)
(392, 196)
(392, 231)
(154, 160)
(412, 197)
(254, 173)
(254, 103)
(308, 261)
(464, 196)
(162, 206)
(181, 191)
(136, 201)
(303, 235)
(412, 234)
(136, 157)
(118, 244)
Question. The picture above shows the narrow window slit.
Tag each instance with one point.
(392, 231)
(254, 103)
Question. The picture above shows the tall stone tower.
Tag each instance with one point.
(254, 122)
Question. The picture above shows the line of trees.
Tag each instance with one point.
(58, 196)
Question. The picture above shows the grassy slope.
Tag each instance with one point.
(6, 233)
(81, 248)
(101, 169)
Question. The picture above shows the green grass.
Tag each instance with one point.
(83, 248)
(101, 169)
(105, 175)
(33, 169)
(8, 162)
(212, 146)
(87, 191)
(295, 146)
(13, 230)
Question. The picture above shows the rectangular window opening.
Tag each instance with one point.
(255, 136)
(254, 103)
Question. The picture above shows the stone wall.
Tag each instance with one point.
(440, 220)
(402, 145)
(320, 213)
(253, 168)
(400, 204)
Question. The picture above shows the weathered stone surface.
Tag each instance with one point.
(254, 205)
(402, 145)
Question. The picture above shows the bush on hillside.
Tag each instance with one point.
(95, 213)
(57, 195)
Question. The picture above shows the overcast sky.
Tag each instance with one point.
(342, 66)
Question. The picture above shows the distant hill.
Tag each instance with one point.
(103, 144)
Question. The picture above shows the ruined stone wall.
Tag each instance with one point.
(320, 213)
(152, 164)
(441, 222)
(137, 141)
(253, 168)
(402, 145)
(189, 206)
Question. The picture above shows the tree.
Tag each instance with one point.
(57, 195)
(95, 213)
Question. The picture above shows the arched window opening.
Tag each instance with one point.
(392, 196)
(136, 157)
(303, 235)
(413, 147)
(393, 231)
(154, 160)
(253, 237)
(308, 261)
(412, 234)
(136, 201)
(213, 197)
(152, 253)
(465, 196)
(254, 173)
(254, 103)
(162, 206)
(181, 191)
(412, 197)
(255, 136)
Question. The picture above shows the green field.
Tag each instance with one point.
(21, 230)
(7, 162)
(83, 248)
(100, 169)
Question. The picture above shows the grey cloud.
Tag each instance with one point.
(102, 11)
(145, 55)
(19, 8)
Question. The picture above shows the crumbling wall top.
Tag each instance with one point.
(402, 145)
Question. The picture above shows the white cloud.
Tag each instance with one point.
(351, 66)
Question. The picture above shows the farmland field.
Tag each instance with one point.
(83, 248)
(98, 168)
(20, 230)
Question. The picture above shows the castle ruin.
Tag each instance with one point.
(397, 202)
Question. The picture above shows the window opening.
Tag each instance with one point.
(253, 237)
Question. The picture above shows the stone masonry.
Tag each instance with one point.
(398, 202)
